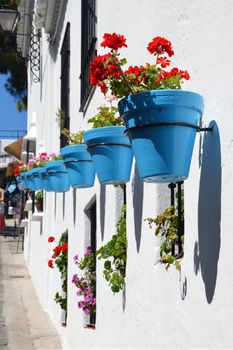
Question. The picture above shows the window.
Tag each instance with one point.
(91, 241)
(88, 49)
(177, 201)
(65, 84)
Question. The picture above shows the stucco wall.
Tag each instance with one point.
(163, 309)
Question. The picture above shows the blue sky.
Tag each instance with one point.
(10, 118)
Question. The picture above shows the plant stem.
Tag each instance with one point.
(127, 84)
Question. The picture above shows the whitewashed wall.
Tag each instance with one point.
(157, 312)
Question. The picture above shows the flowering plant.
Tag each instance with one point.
(107, 116)
(115, 255)
(59, 257)
(107, 72)
(86, 283)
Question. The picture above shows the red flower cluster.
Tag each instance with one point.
(173, 72)
(50, 264)
(134, 73)
(101, 68)
(163, 61)
(16, 171)
(159, 46)
(57, 250)
(113, 41)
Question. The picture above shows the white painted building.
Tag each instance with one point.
(159, 309)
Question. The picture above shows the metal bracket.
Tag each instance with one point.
(198, 128)
(35, 56)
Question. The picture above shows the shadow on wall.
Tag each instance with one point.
(138, 191)
(206, 251)
(74, 204)
(102, 209)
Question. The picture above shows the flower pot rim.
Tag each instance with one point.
(148, 93)
(75, 147)
(53, 163)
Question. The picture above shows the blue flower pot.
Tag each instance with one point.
(161, 126)
(36, 174)
(58, 176)
(111, 152)
(79, 165)
(47, 185)
(30, 180)
(24, 178)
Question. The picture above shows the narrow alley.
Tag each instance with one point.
(23, 323)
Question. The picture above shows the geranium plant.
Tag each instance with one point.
(108, 72)
(115, 255)
(167, 224)
(60, 258)
(86, 281)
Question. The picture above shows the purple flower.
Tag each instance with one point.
(76, 258)
(88, 251)
(79, 292)
(75, 279)
(87, 310)
(93, 301)
(88, 290)
(88, 298)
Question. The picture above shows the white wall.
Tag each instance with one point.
(157, 314)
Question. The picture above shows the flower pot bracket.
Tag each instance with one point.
(78, 161)
(108, 144)
(198, 128)
(56, 172)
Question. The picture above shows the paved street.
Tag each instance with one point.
(23, 323)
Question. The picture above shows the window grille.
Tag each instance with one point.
(91, 238)
(88, 47)
(177, 201)
(65, 83)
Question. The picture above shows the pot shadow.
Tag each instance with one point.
(74, 204)
(138, 192)
(63, 204)
(55, 204)
(102, 209)
(206, 250)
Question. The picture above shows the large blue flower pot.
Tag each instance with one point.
(111, 152)
(58, 176)
(36, 174)
(161, 125)
(79, 165)
(47, 185)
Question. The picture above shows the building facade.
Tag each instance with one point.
(159, 308)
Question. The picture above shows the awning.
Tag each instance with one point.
(15, 148)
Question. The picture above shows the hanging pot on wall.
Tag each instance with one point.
(58, 176)
(161, 126)
(111, 153)
(47, 185)
(79, 165)
(37, 179)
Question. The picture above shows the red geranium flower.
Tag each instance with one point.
(133, 73)
(113, 41)
(163, 61)
(101, 68)
(159, 46)
(64, 248)
(51, 239)
(50, 264)
(57, 250)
